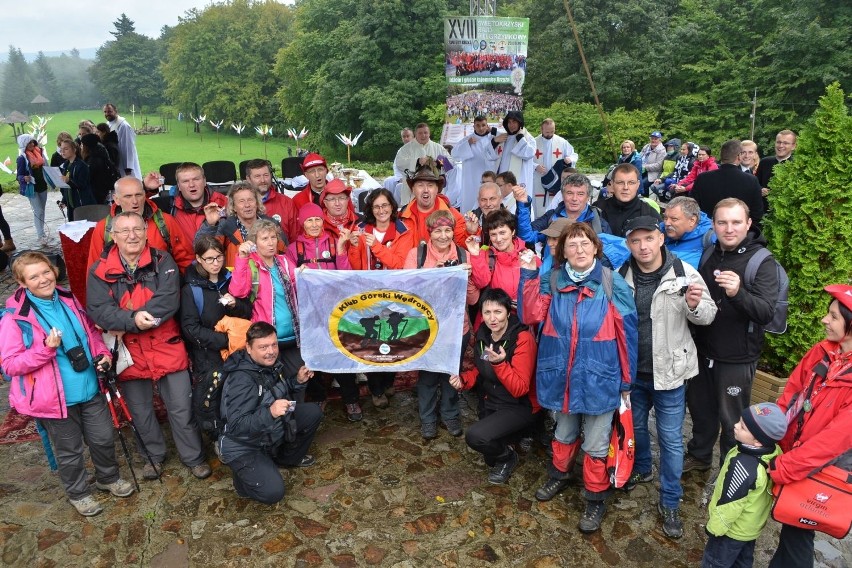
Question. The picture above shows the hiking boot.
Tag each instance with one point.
(501, 471)
(429, 430)
(8, 246)
(201, 471)
(88, 506)
(690, 462)
(672, 525)
(550, 488)
(307, 461)
(591, 520)
(119, 487)
(638, 478)
(454, 426)
(380, 401)
(148, 471)
(353, 412)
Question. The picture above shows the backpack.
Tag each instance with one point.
(206, 398)
(301, 257)
(778, 324)
(198, 292)
(158, 219)
(421, 254)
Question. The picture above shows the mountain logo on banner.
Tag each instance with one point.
(383, 327)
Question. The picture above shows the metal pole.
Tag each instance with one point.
(589, 75)
(753, 114)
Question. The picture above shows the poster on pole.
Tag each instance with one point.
(486, 65)
(361, 321)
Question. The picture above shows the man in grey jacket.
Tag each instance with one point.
(653, 154)
(669, 295)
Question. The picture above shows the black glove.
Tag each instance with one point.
(494, 143)
(519, 136)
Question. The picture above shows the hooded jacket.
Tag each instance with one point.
(617, 213)
(177, 246)
(587, 349)
(512, 381)
(23, 164)
(736, 335)
(698, 168)
(227, 232)
(522, 151)
(690, 246)
(316, 251)
(249, 391)
(36, 385)
(350, 221)
(114, 296)
(204, 344)
(827, 428)
(675, 359)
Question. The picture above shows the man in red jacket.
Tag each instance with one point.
(193, 196)
(133, 292)
(278, 206)
(163, 232)
(316, 170)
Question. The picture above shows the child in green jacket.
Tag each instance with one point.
(743, 495)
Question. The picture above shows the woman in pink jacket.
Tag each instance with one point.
(50, 348)
(704, 162)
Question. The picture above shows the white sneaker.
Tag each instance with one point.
(88, 506)
(119, 487)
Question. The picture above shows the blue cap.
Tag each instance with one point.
(656, 134)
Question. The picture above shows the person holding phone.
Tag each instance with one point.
(51, 348)
(504, 357)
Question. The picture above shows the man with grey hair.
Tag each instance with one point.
(575, 206)
(688, 229)
(133, 292)
(728, 181)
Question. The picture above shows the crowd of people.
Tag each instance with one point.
(467, 62)
(570, 313)
(491, 104)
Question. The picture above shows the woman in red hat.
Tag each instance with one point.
(818, 403)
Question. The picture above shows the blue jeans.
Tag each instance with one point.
(597, 429)
(38, 204)
(669, 410)
(725, 552)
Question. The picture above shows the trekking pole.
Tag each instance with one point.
(118, 400)
(102, 379)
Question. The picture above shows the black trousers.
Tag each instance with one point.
(256, 474)
(378, 383)
(491, 435)
(315, 389)
(717, 397)
(795, 548)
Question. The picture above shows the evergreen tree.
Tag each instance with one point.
(18, 89)
(47, 83)
(810, 228)
(123, 26)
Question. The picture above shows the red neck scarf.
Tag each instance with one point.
(35, 157)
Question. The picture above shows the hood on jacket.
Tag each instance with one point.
(515, 114)
(23, 140)
(704, 225)
(483, 333)
(193, 278)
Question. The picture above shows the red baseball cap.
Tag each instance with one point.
(313, 160)
(842, 293)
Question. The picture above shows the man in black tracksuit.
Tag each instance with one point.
(625, 203)
(728, 348)
(264, 428)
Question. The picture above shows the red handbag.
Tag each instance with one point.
(622, 447)
(820, 502)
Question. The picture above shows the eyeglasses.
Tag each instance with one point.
(125, 232)
(585, 245)
(212, 259)
(622, 183)
(336, 198)
(382, 206)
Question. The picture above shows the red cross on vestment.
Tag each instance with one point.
(537, 153)
(557, 153)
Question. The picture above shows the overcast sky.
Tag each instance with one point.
(54, 26)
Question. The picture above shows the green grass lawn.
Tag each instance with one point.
(176, 145)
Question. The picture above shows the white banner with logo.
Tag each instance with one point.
(355, 321)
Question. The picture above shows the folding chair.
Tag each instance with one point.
(291, 167)
(167, 171)
(92, 213)
(220, 174)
